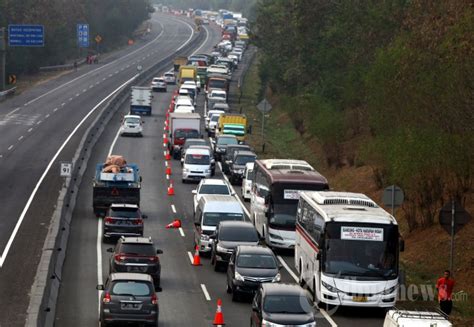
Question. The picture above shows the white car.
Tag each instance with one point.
(185, 109)
(169, 77)
(182, 101)
(217, 96)
(131, 125)
(158, 84)
(247, 181)
(211, 113)
(211, 186)
(197, 164)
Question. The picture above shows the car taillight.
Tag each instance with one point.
(106, 298)
(138, 221)
(109, 220)
(154, 299)
(119, 257)
(154, 259)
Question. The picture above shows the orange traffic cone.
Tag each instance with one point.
(167, 114)
(167, 155)
(167, 128)
(196, 258)
(168, 170)
(165, 139)
(171, 189)
(174, 224)
(219, 317)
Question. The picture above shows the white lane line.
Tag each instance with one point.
(206, 293)
(10, 147)
(91, 86)
(173, 208)
(288, 268)
(55, 109)
(39, 122)
(110, 75)
(47, 116)
(101, 67)
(20, 138)
(99, 258)
(43, 176)
(190, 257)
(128, 66)
(104, 78)
(13, 111)
(29, 131)
(63, 104)
(77, 94)
(97, 83)
(181, 231)
(328, 318)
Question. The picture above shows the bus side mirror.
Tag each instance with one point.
(401, 244)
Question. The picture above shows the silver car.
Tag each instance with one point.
(158, 84)
(128, 297)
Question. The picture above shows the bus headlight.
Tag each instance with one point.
(329, 287)
(389, 290)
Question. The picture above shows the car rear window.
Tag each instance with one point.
(137, 249)
(214, 218)
(242, 160)
(292, 304)
(227, 140)
(236, 234)
(263, 261)
(214, 189)
(134, 288)
(124, 212)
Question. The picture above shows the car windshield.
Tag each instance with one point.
(132, 120)
(214, 189)
(218, 95)
(188, 134)
(238, 234)
(293, 304)
(358, 250)
(137, 249)
(216, 84)
(197, 159)
(134, 288)
(214, 218)
(215, 118)
(227, 140)
(242, 160)
(262, 261)
(124, 212)
(194, 142)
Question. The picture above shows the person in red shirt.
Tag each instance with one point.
(445, 286)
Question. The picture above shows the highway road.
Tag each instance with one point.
(35, 124)
(34, 127)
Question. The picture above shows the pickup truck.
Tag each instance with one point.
(122, 184)
(182, 127)
(140, 103)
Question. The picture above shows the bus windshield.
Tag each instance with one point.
(361, 251)
(283, 216)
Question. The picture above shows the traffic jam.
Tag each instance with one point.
(246, 209)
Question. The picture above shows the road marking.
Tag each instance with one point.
(206, 293)
(288, 268)
(77, 94)
(91, 86)
(43, 176)
(39, 122)
(20, 138)
(181, 231)
(10, 147)
(29, 131)
(97, 83)
(13, 111)
(190, 257)
(110, 75)
(47, 116)
(104, 78)
(328, 318)
(63, 104)
(173, 208)
(55, 109)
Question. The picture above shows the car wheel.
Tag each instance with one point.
(102, 323)
(184, 181)
(216, 265)
(228, 289)
(235, 295)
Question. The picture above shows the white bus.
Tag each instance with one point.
(347, 249)
(274, 197)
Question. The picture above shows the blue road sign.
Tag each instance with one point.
(83, 35)
(26, 35)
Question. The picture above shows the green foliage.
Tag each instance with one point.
(247, 7)
(114, 20)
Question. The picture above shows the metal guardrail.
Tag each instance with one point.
(6, 93)
(45, 289)
(61, 67)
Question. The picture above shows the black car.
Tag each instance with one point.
(237, 167)
(221, 144)
(250, 266)
(122, 220)
(229, 155)
(228, 235)
(282, 305)
(137, 255)
(128, 297)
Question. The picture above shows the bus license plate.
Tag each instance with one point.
(359, 299)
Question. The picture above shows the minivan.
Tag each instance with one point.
(197, 164)
(210, 211)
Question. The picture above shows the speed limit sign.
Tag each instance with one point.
(66, 169)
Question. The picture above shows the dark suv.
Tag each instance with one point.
(237, 166)
(229, 155)
(128, 297)
(123, 220)
(137, 255)
(228, 235)
(250, 266)
(282, 305)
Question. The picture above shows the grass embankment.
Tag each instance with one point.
(426, 253)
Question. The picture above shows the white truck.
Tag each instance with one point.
(140, 103)
(182, 127)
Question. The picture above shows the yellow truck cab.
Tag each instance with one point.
(233, 124)
(187, 73)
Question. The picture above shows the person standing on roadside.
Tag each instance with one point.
(445, 286)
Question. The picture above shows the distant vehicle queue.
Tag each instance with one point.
(346, 248)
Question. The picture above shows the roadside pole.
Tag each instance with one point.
(453, 217)
(265, 107)
(3, 53)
